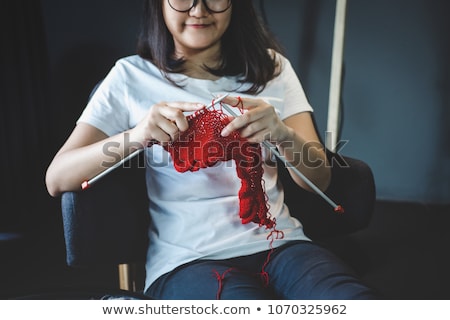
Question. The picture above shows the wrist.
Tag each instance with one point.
(287, 137)
(133, 140)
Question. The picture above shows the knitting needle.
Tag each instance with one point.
(274, 150)
(88, 183)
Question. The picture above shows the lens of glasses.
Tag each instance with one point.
(215, 6)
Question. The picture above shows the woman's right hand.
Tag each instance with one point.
(163, 123)
(83, 154)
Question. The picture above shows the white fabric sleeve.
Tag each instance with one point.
(295, 100)
(107, 109)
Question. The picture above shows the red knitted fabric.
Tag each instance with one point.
(202, 146)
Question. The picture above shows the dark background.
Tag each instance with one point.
(395, 104)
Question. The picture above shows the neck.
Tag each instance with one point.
(198, 70)
(196, 62)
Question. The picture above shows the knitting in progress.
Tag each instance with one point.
(202, 146)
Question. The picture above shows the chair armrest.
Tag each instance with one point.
(352, 186)
(108, 223)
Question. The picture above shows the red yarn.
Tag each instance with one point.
(202, 146)
(220, 278)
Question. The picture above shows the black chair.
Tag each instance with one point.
(107, 224)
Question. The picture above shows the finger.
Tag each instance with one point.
(160, 129)
(160, 136)
(246, 120)
(242, 103)
(258, 137)
(170, 129)
(175, 110)
(253, 129)
(186, 106)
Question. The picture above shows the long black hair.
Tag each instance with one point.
(244, 46)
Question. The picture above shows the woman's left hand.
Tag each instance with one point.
(258, 123)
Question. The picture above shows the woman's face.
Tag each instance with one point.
(195, 30)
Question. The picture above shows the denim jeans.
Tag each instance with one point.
(300, 270)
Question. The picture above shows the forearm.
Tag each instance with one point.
(72, 166)
(308, 157)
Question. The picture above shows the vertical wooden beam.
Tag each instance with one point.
(125, 277)
(336, 76)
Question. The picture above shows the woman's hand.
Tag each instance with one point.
(163, 123)
(295, 137)
(260, 121)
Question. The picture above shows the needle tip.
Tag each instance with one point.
(339, 209)
(85, 185)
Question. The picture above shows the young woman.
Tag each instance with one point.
(189, 52)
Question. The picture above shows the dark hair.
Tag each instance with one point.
(244, 47)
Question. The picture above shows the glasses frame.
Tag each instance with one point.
(194, 3)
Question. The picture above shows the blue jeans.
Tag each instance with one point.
(297, 271)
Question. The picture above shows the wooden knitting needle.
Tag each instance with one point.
(274, 150)
(88, 183)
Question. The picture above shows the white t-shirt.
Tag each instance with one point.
(195, 215)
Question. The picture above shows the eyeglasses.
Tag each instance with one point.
(213, 6)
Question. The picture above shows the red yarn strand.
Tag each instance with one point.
(202, 146)
(220, 279)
